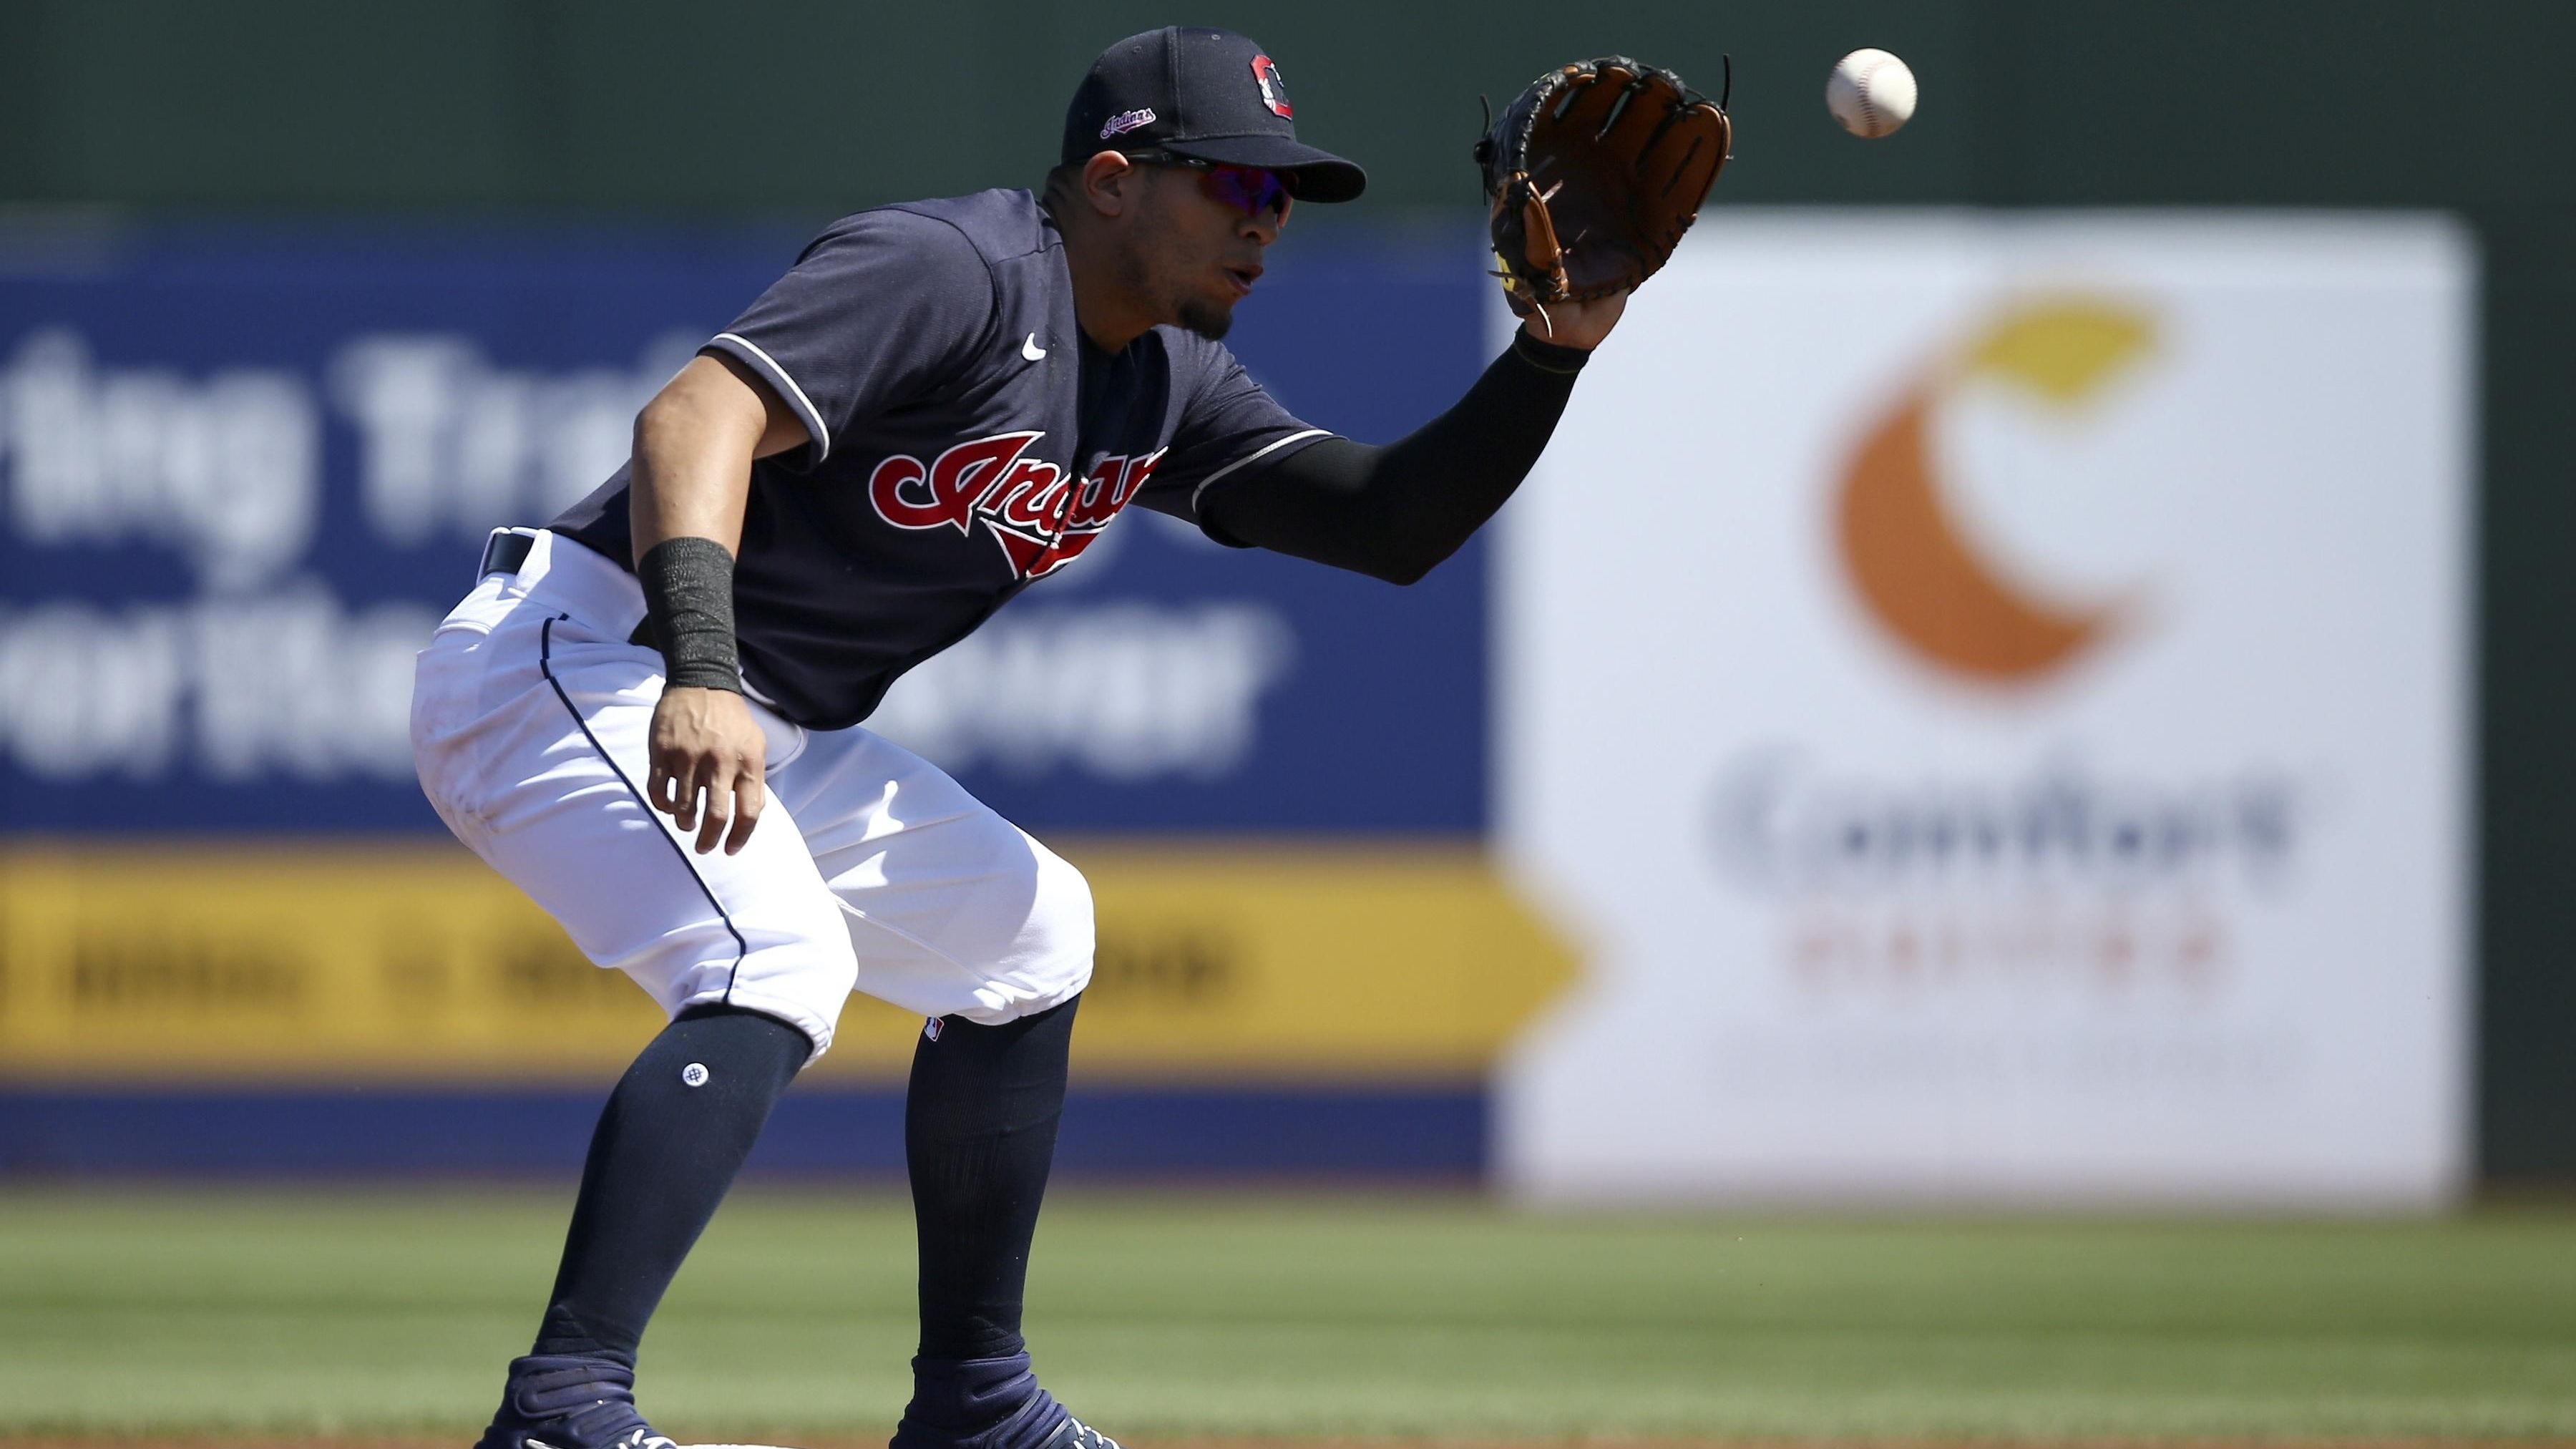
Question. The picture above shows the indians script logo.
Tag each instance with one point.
(1274, 86)
(1904, 549)
(1126, 121)
(1040, 514)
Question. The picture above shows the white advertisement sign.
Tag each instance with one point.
(1989, 696)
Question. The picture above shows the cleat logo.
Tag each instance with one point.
(1038, 513)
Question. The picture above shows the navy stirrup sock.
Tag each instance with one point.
(674, 1133)
(979, 1136)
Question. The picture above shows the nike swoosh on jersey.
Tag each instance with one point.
(1031, 350)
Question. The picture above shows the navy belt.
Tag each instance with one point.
(506, 553)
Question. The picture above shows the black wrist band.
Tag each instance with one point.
(688, 609)
(1549, 356)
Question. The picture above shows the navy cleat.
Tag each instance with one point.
(1075, 1434)
(988, 1403)
(557, 1401)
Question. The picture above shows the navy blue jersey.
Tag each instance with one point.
(966, 439)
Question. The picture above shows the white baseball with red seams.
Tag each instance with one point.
(1871, 93)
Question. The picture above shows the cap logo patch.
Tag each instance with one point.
(1126, 121)
(1274, 86)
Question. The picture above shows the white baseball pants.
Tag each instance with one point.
(869, 868)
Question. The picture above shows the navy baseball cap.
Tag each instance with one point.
(1210, 95)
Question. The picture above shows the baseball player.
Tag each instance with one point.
(649, 713)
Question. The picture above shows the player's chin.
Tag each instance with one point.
(1208, 317)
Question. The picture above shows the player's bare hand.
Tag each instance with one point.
(1577, 324)
(707, 758)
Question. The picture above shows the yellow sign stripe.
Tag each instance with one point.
(412, 961)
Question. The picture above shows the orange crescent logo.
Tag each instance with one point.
(1908, 557)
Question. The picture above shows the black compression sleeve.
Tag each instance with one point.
(1395, 512)
(688, 609)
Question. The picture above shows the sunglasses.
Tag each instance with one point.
(1250, 190)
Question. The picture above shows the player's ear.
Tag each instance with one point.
(1109, 183)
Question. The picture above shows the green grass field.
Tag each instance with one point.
(274, 1316)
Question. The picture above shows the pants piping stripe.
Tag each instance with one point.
(546, 666)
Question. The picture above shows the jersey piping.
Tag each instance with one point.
(1200, 491)
(805, 408)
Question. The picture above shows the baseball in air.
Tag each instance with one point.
(1871, 92)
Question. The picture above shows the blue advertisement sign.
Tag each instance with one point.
(244, 470)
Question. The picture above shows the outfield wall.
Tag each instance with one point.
(405, 109)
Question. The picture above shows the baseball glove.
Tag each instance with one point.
(1594, 173)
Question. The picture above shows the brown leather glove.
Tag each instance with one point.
(1594, 173)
